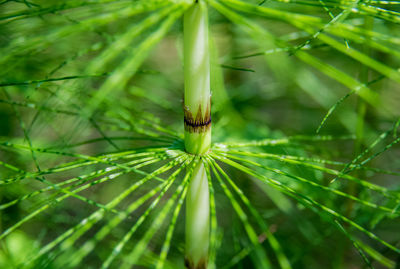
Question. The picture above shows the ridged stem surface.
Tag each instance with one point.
(197, 110)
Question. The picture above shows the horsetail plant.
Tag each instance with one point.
(197, 120)
(92, 176)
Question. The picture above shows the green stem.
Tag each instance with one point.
(197, 220)
(197, 109)
(197, 105)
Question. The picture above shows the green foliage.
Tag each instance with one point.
(304, 167)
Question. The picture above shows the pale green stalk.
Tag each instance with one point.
(197, 80)
(197, 219)
(197, 108)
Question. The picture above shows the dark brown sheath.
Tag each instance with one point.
(198, 124)
(202, 264)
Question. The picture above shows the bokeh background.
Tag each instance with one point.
(53, 65)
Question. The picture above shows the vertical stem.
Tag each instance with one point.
(197, 220)
(197, 110)
(197, 105)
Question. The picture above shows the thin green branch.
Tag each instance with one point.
(252, 235)
(306, 201)
(282, 259)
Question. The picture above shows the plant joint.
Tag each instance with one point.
(200, 123)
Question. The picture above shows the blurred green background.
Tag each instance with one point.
(259, 90)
